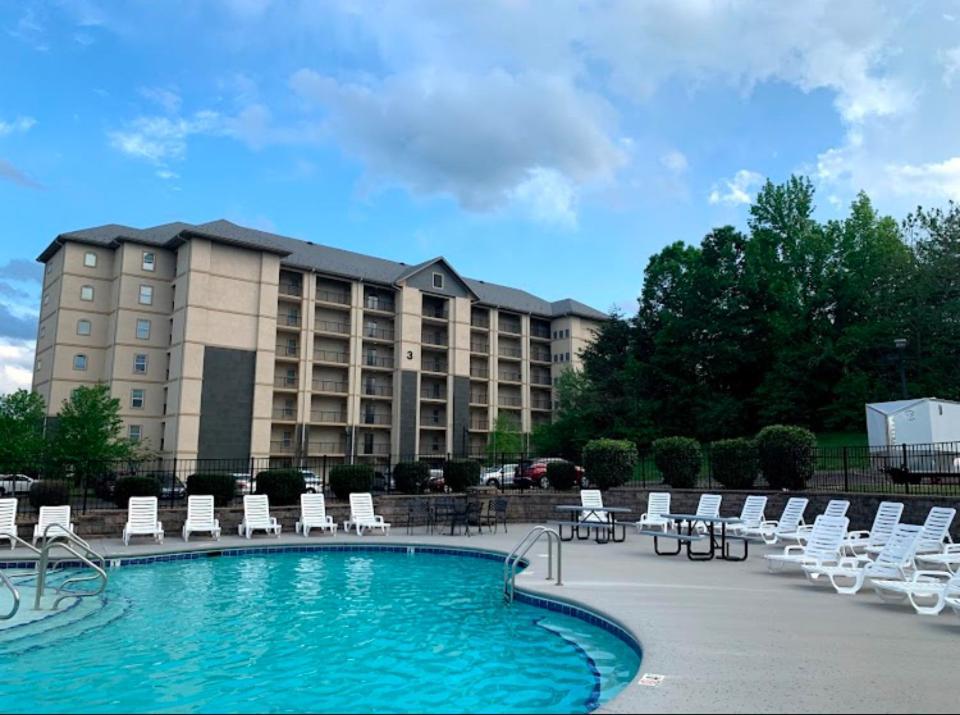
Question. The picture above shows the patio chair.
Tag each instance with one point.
(362, 516)
(777, 530)
(835, 508)
(500, 505)
(8, 522)
(142, 520)
(200, 517)
(823, 545)
(658, 504)
(52, 515)
(928, 591)
(948, 559)
(313, 515)
(886, 520)
(487, 516)
(936, 531)
(751, 516)
(849, 573)
(708, 506)
(256, 516)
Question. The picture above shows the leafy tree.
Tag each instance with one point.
(504, 438)
(21, 431)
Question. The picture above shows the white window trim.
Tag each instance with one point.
(89, 327)
(83, 289)
(149, 294)
(435, 276)
(137, 329)
(85, 362)
(146, 364)
(133, 398)
(139, 429)
(150, 266)
(88, 255)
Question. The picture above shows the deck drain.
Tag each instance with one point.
(650, 680)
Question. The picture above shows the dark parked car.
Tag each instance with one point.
(534, 474)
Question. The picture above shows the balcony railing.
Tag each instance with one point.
(374, 418)
(332, 326)
(434, 366)
(479, 372)
(479, 398)
(478, 321)
(333, 296)
(540, 355)
(435, 339)
(328, 416)
(509, 326)
(479, 424)
(329, 386)
(370, 331)
(539, 379)
(286, 381)
(287, 350)
(430, 421)
(336, 356)
(435, 312)
(539, 332)
(326, 448)
(377, 361)
(291, 288)
(284, 413)
(509, 401)
(374, 449)
(289, 320)
(378, 390)
(509, 351)
(540, 404)
(281, 446)
(374, 302)
(506, 376)
(479, 347)
(433, 393)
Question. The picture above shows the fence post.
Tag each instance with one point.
(84, 487)
(846, 471)
(323, 480)
(906, 471)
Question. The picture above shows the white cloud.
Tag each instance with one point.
(549, 196)
(674, 161)
(168, 99)
(738, 190)
(19, 125)
(16, 364)
(162, 139)
(166, 174)
(936, 181)
(951, 64)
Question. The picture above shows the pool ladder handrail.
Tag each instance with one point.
(13, 592)
(514, 558)
(51, 542)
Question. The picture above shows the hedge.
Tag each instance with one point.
(461, 473)
(222, 486)
(46, 493)
(283, 487)
(562, 475)
(135, 487)
(348, 478)
(735, 463)
(410, 477)
(609, 462)
(787, 455)
(679, 460)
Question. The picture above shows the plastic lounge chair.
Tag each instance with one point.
(58, 515)
(848, 575)
(708, 506)
(835, 508)
(8, 521)
(313, 515)
(362, 516)
(658, 503)
(936, 531)
(751, 517)
(592, 499)
(886, 520)
(788, 523)
(949, 558)
(256, 516)
(928, 591)
(142, 519)
(823, 545)
(200, 517)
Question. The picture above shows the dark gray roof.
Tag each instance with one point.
(323, 259)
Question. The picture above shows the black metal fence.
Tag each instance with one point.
(932, 469)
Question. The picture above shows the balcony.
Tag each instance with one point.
(430, 338)
(540, 380)
(330, 417)
(434, 392)
(478, 347)
(480, 425)
(539, 332)
(509, 351)
(336, 297)
(379, 303)
(373, 449)
(435, 366)
(372, 390)
(508, 376)
(332, 326)
(288, 287)
(335, 386)
(509, 326)
(287, 414)
(480, 321)
(331, 356)
(540, 356)
(281, 446)
(378, 361)
(287, 351)
(509, 401)
(375, 418)
(435, 313)
(540, 404)
(480, 372)
(326, 448)
(479, 398)
(286, 382)
(289, 320)
(378, 333)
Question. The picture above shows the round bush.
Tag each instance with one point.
(347, 478)
(679, 460)
(787, 455)
(734, 462)
(609, 462)
(410, 477)
(223, 487)
(562, 475)
(135, 487)
(460, 474)
(47, 493)
(283, 487)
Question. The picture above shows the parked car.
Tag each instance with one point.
(501, 476)
(311, 482)
(435, 482)
(15, 484)
(246, 484)
(534, 474)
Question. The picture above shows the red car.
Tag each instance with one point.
(534, 474)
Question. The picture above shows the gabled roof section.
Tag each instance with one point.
(411, 271)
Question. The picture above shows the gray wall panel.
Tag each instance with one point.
(226, 403)
(409, 401)
(461, 414)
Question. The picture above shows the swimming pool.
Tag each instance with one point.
(326, 631)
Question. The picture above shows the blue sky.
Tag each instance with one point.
(549, 145)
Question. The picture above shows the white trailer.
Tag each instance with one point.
(922, 434)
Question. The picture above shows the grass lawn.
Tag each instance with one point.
(827, 440)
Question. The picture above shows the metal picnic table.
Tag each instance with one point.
(718, 542)
(596, 518)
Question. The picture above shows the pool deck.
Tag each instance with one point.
(727, 637)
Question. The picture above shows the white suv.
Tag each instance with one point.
(14, 484)
(498, 477)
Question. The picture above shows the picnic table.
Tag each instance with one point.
(602, 519)
(716, 541)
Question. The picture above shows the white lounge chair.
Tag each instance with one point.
(790, 520)
(936, 530)
(823, 545)
(835, 509)
(849, 573)
(8, 521)
(928, 591)
(200, 517)
(751, 517)
(142, 519)
(256, 516)
(592, 499)
(708, 506)
(658, 504)
(886, 520)
(362, 516)
(948, 559)
(313, 515)
(59, 516)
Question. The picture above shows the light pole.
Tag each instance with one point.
(901, 345)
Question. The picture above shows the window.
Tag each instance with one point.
(136, 399)
(566, 357)
(368, 443)
(438, 280)
(39, 364)
(566, 333)
(83, 327)
(149, 261)
(46, 298)
(79, 362)
(43, 330)
(86, 292)
(143, 329)
(556, 381)
(556, 358)
(140, 364)
(146, 295)
(90, 259)
(554, 334)
(136, 431)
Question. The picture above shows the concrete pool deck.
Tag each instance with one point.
(727, 637)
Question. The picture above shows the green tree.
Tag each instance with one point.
(22, 416)
(504, 438)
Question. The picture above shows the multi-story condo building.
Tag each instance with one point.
(226, 342)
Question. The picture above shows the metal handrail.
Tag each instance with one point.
(520, 551)
(51, 542)
(16, 597)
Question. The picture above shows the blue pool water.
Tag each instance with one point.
(321, 632)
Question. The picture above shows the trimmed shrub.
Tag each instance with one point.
(347, 478)
(135, 487)
(460, 474)
(787, 455)
(679, 460)
(47, 493)
(609, 462)
(223, 487)
(410, 477)
(283, 487)
(734, 462)
(562, 475)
